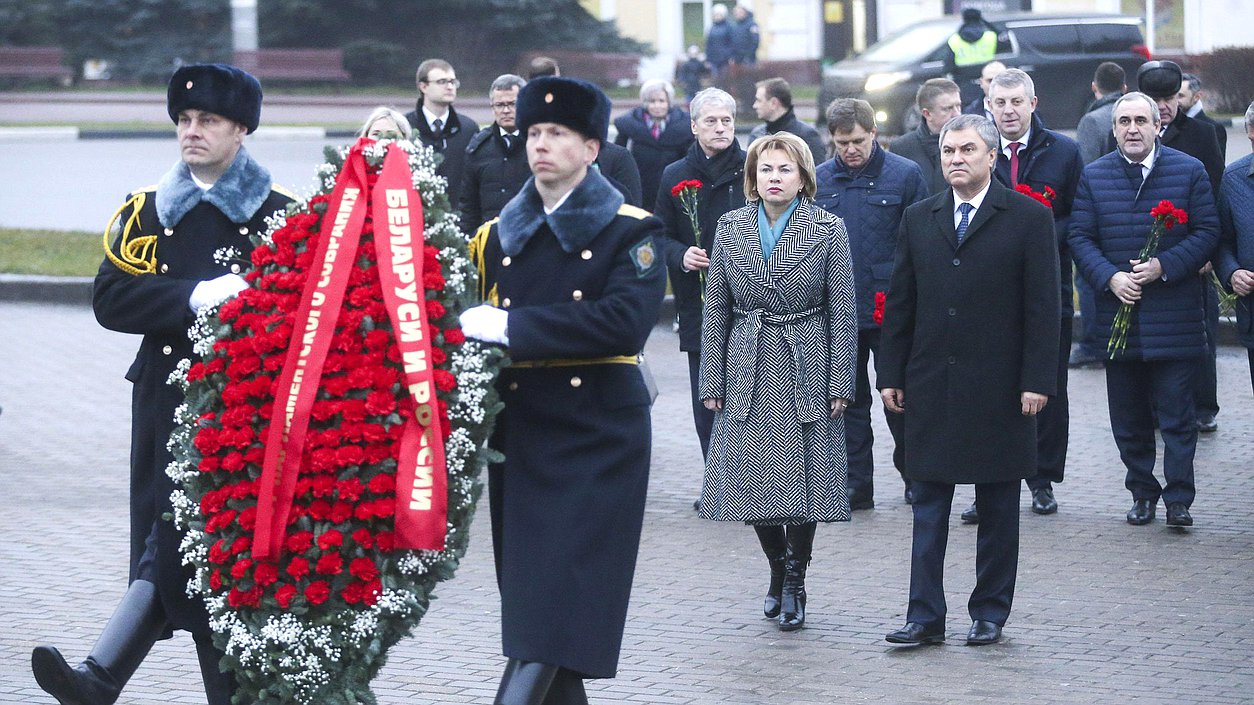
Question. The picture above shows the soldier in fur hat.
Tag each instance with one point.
(160, 270)
(573, 285)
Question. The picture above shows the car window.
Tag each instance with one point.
(910, 44)
(1109, 38)
(1049, 39)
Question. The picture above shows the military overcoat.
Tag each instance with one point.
(185, 231)
(583, 287)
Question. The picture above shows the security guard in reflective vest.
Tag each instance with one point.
(972, 46)
(172, 249)
(573, 283)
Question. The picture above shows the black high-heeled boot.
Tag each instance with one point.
(567, 689)
(136, 624)
(775, 546)
(792, 615)
(525, 683)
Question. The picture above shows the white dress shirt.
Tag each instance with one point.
(976, 201)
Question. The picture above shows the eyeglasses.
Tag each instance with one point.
(443, 82)
(505, 106)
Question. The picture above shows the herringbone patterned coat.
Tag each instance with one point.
(779, 340)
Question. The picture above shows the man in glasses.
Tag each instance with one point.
(438, 125)
(496, 160)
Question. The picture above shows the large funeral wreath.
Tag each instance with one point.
(313, 620)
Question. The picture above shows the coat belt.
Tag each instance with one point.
(740, 391)
(574, 362)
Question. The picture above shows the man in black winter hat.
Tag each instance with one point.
(158, 275)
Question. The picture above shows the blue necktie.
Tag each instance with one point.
(965, 209)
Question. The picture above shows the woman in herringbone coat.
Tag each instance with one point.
(778, 351)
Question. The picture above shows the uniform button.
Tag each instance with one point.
(165, 268)
(505, 302)
(957, 261)
(871, 184)
(883, 201)
(513, 386)
(953, 312)
(575, 381)
(576, 295)
(953, 360)
(169, 231)
(167, 350)
(235, 269)
(243, 230)
(506, 261)
(586, 254)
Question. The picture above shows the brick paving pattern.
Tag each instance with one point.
(1105, 612)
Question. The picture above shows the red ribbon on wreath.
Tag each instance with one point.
(422, 480)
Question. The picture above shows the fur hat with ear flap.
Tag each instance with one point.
(216, 88)
(577, 104)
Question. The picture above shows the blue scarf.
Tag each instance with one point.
(770, 234)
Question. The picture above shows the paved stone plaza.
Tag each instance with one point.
(1105, 612)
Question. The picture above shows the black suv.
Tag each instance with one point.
(1060, 52)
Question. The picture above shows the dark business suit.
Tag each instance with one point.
(967, 328)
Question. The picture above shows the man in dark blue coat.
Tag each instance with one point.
(718, 162)
(1153, 375)
(574, 284)
(745, 37)
(938, 102)
(179, 249)
(438, 125)
(869, 189)
(1041, 159)
(1234, 261)
(656, 133)
(720, 46)
(969, 354)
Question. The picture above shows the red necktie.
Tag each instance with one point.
(656, 130)
(1014, 163)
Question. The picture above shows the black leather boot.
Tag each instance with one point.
(525, 683)
(792, 614)
(775, 546)
(567, 689)
(136, 624)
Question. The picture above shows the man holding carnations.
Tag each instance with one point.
(163, 265)
(717, 163)
(1151, 376)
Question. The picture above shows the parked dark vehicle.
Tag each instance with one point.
(1060, 52)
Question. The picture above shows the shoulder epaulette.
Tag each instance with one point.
(632, 211)
(137, 254)
(284, 191)
(478, 255)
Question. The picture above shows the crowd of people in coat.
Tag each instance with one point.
(807, 271)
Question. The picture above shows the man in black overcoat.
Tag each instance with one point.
(573, 281)
(969, 352)
(496, 158)
(179, 247)
(718, 162)
(438, 125)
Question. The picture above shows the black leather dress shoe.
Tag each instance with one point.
(1207, 424)
(971, 516)
(1043, 501)
(858, 503)
(1178, 515)
(915, 633)
(1141, 513)
(909, 494)
(983, 632)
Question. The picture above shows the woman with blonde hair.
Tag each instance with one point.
(778, 351)
(386, 122)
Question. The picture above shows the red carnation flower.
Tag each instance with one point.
(330, 564)
(300, 541)
(331, 538)
(454, 336)
(318, 592)
(363, 538)
(285, 595)
(363, 569)
(266, 574)
(215, 580)
(298, 568)
(240, 545)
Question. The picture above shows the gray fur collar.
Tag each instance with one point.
(588, 209)
(238, 194)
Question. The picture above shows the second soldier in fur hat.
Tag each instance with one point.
(573, 286)
(158, 272)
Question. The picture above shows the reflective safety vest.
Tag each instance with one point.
(981, 51)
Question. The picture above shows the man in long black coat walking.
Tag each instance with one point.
(969, 352)
(165, 266)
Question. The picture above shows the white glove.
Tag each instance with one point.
(486, 323)
(215, 291)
